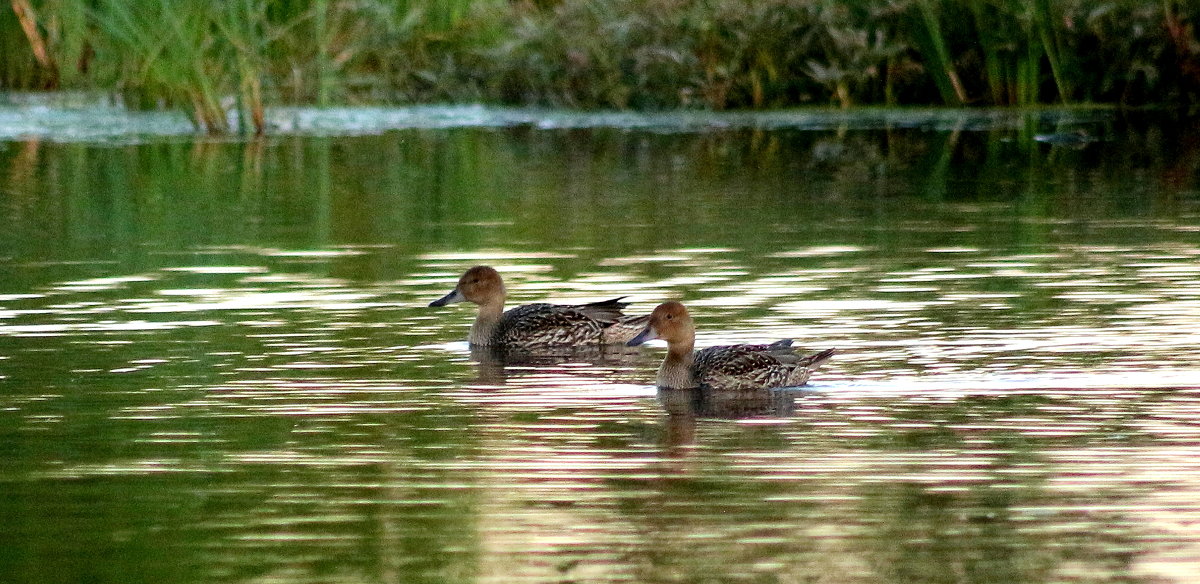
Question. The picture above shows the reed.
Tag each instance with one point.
(1048, 34)
(930, 40)
(243, 26)
(225, 66)
(44, 45)
(856, 47)
(167, 55)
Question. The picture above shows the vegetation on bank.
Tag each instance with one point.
(715, 54)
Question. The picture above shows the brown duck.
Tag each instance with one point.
(726, 366)
(541, 325)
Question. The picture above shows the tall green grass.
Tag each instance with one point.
(226, 66)
(169, 54)
(44, 45)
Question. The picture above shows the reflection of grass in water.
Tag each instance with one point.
(726, 508)
(969, 536)
(594, 193)
(192, 464)
(421, 191)
(703, 520)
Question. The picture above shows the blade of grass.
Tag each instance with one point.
(37, 43)
(1043, 21)
(932, 46)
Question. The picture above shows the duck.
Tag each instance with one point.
(540, 325)
(725, 367)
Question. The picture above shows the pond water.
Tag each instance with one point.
(217, 363)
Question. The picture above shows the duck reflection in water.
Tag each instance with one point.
(495, 365)
(686, 406)
(700, 402)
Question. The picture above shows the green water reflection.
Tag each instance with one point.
(595, 193)
(217, 364)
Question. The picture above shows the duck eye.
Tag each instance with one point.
(669, 316)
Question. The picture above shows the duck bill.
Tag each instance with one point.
(451, 298)
(646, 334)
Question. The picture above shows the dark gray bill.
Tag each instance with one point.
(451, 298)
(646, 334)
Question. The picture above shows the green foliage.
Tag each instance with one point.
(183, 53)
(856, 48)
(712, 54)
(62, 32)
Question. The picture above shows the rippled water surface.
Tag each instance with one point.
(217, 363)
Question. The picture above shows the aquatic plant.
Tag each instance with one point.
(44, 46)
(183, 53)
(224, 66)
(855, 47)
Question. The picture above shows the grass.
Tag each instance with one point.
(226, 66)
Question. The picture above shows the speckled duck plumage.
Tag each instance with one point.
(541, 325)
(723, 367)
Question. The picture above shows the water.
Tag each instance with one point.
(217, 363)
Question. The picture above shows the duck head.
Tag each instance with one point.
(670, 322)
(481, 285)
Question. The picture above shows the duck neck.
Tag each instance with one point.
(485, 323)
(676, 369)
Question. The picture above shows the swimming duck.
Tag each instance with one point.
(532, 326)
(723, 367)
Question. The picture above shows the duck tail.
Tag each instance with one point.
(815, 360)
(605, 311)
(625, 328)
(805, 366)
(614, 304)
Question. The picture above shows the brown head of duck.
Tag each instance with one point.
(671, 322)
(481, 285)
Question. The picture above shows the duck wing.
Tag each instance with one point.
(617, 326)
(755, 366)
(545, 324)
(538, 324)
(736, 367)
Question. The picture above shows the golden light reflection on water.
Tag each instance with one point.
(194, 394)
(1003, 415)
